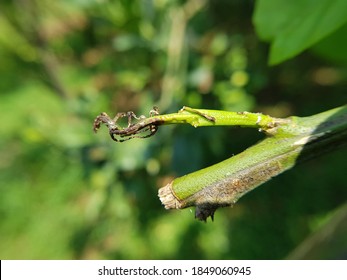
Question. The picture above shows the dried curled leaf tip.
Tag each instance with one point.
(138, 127)
(102, 118)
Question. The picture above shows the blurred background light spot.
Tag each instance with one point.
(219, 44)
(153, 166)
(326, 76)
(239, 78)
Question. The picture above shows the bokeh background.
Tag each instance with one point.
(66, 193)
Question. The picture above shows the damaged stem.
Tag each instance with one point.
(290, 140)
(187, 115)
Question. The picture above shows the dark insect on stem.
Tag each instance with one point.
(133, 130)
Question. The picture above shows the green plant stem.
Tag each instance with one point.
(289, 141)
(292, 140)
(203, 117)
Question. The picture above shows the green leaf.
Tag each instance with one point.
(293, 26)
(333, 48)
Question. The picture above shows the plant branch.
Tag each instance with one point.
(288, 142)
(224, 183)
(187, 115)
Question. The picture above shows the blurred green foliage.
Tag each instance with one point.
(299, 24)
(69, 194)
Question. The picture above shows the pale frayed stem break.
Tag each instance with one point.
(167, 197)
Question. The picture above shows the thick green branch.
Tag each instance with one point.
(224, 183)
